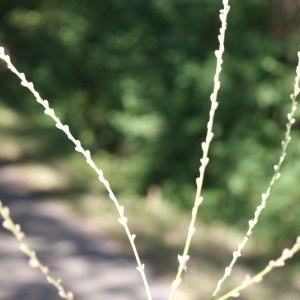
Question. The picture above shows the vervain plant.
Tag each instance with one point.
(286, 254)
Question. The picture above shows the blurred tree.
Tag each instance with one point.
(133, 78)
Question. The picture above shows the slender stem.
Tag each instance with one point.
(286, 254)
(265, 196)
(34, 262)
(86, 153)
(205, 147)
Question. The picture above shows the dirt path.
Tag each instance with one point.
(92, 267)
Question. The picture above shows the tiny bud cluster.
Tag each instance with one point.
(235, 294)
(176, 282)
(141, 268)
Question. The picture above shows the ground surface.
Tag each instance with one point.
(95, 267)
(92, 266)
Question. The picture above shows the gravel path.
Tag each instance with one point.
(92, 267)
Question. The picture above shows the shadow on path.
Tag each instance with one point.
(92, 267)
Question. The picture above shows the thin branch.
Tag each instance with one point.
(205, 147)
(86, 153)
(280, 262)
(34, 262)
(265, 196)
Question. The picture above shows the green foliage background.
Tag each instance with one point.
(133, 79)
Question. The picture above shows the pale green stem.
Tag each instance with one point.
(34, 262)
(86, 153)
(205, 147)
(286, 254)
(276, 175)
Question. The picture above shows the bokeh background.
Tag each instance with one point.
(132, 79)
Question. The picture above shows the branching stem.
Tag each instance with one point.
(286, 254)
(284, 143)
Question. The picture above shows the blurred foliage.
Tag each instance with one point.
(133, 79)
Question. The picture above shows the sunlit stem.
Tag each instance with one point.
(86, 153)
(286, 254)
(205, 147)
(284, 143)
